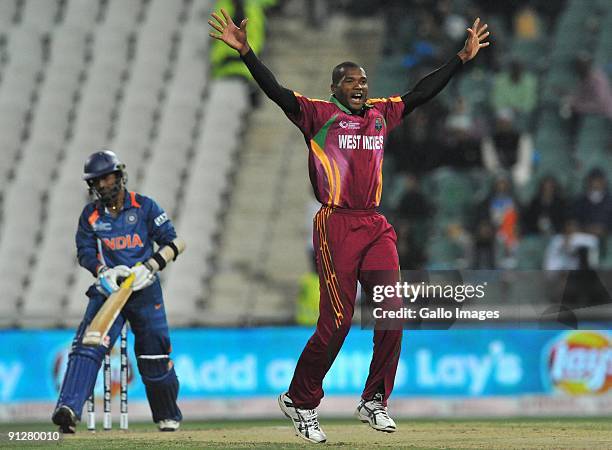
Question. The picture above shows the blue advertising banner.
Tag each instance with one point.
(242, 363)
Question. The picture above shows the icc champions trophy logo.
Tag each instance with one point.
(580, 363)
(60, 362)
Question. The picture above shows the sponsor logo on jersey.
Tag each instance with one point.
(123, 242)
(580, 363)
(132, 217)
(101, 226)
(161, 219)
(349, 125)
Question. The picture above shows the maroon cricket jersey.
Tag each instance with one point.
(346, 150)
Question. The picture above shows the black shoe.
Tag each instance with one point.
(66, 419)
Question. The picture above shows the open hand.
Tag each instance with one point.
(475, 41)
(235, 37)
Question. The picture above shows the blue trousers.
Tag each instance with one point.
(147, 318)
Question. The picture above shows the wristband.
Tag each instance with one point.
(174, 249)
(161, 262)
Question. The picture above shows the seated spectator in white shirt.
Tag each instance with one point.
(572, 250)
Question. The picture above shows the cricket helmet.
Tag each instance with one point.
(100, 164)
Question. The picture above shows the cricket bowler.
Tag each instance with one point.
(345, 136)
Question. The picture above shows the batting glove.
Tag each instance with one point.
(107, 278)
(143, 277)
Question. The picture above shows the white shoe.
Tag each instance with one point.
(168, 425)
(305, 421)
(375, 413)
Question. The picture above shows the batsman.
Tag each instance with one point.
(114, 240)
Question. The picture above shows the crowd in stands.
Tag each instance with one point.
(470, 179)
(498, 171)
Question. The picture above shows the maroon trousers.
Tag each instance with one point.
(350, 245)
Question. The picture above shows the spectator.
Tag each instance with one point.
(546, 211)
(516, 89)
(527, 24)
(578, 253)
(462, 242)
(508, 150)
(496, 231)
(224, 61)
(316, 13)
(572, 249)
(413, 215)
(452, 24)
(460, 146)
(592, 94)
(593, 209)
(307, 308)
(504, 9)
(413, 146)
(413, 204)
(484, 245)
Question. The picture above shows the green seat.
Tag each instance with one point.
(562, 76)
(442, 254)
(606, 262)
(530, 52)
(549, 145)
(559, 81)
(603, 55)
(591, 143)
(453, 193)
(391, 78)
(549, 119)
(530, 252)
(387, 85)
(475, 87)
(595, 159)
(555, 161)
(402, 41)
(551, 134)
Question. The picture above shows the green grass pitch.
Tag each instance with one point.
(551, 433)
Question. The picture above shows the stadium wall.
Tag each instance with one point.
(239, 372)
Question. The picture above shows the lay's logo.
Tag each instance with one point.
(123, 242)
(580, 362)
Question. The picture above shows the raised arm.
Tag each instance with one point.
(432, 84)
(236, 38)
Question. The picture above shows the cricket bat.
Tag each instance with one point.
(104, 319)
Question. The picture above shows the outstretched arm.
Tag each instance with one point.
(433, 83)
(236, 38)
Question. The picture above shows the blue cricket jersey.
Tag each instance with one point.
(127, 239)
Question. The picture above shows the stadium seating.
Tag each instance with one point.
(549, 55)
(130, 75)
(201, 202)
(133, 76)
